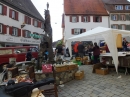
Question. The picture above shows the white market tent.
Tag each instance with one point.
(101, 33)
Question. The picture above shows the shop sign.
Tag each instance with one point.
(9, 39)
(27, 40)
(35, 36)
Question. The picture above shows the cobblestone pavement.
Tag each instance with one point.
(94, 85)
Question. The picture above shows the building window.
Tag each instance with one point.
(27, 20)
(42, 25)
(0, 9)
(15, 31)
(114, 26)
(119, 7)
(122, 17)
(74, 19)
(97, 19)
(0, 28)
(27, 34)
(78, 31)
(35, 23)
(114, 17)
(123, 27)
(127, 7)
(85, 19)
(13, 14)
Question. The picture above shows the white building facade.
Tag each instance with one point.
(83, 15)
(81, 24)
(19, 28)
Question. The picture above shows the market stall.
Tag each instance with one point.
(102, 33)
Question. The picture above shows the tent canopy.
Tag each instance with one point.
(99, 33)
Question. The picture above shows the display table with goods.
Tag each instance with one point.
(123, 57)
(63, 72)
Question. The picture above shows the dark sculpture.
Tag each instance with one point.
(47, 38)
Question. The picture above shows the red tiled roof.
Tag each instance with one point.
(90, 7)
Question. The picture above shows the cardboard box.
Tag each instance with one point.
(102, 71)
(79, 75)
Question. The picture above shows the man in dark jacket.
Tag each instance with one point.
(124, 43)
(96, 53)
(28, 55)
(80, 49)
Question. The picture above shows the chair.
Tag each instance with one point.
(13, 72)
(50, 89)
(31, 73)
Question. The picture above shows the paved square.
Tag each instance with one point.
(94, 85)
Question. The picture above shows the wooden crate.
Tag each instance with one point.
(79, 75)
(72, 67)
(61, 69)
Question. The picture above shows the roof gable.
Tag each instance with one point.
(26, 6)
(91, 7)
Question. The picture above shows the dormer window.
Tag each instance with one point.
(119, 7)
(74, 19)
(127, 7)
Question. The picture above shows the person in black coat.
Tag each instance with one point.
(29, 55)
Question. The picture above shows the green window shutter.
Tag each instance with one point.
(111, 26)
(118, 17)
(111, 16)
(119, 27)
(127, 27)
(127, 17)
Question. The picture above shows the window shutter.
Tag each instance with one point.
(23, 32)
(19, 32)
(16, 17)
(4, 11)
(93, 18)
(40, 24)
(10, 30)
(84, 30)
(100, 18)
(111, 26)
(70, 18)
(118, 17)
(10, 13)
(111, 16)
(25, 19)
(4, 29)
(72, 31)
(127, 17)
(88, 18)
(120, 26)
(33, 21)
(77, 18)
(30, 21)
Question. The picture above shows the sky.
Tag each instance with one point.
(56, 11)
